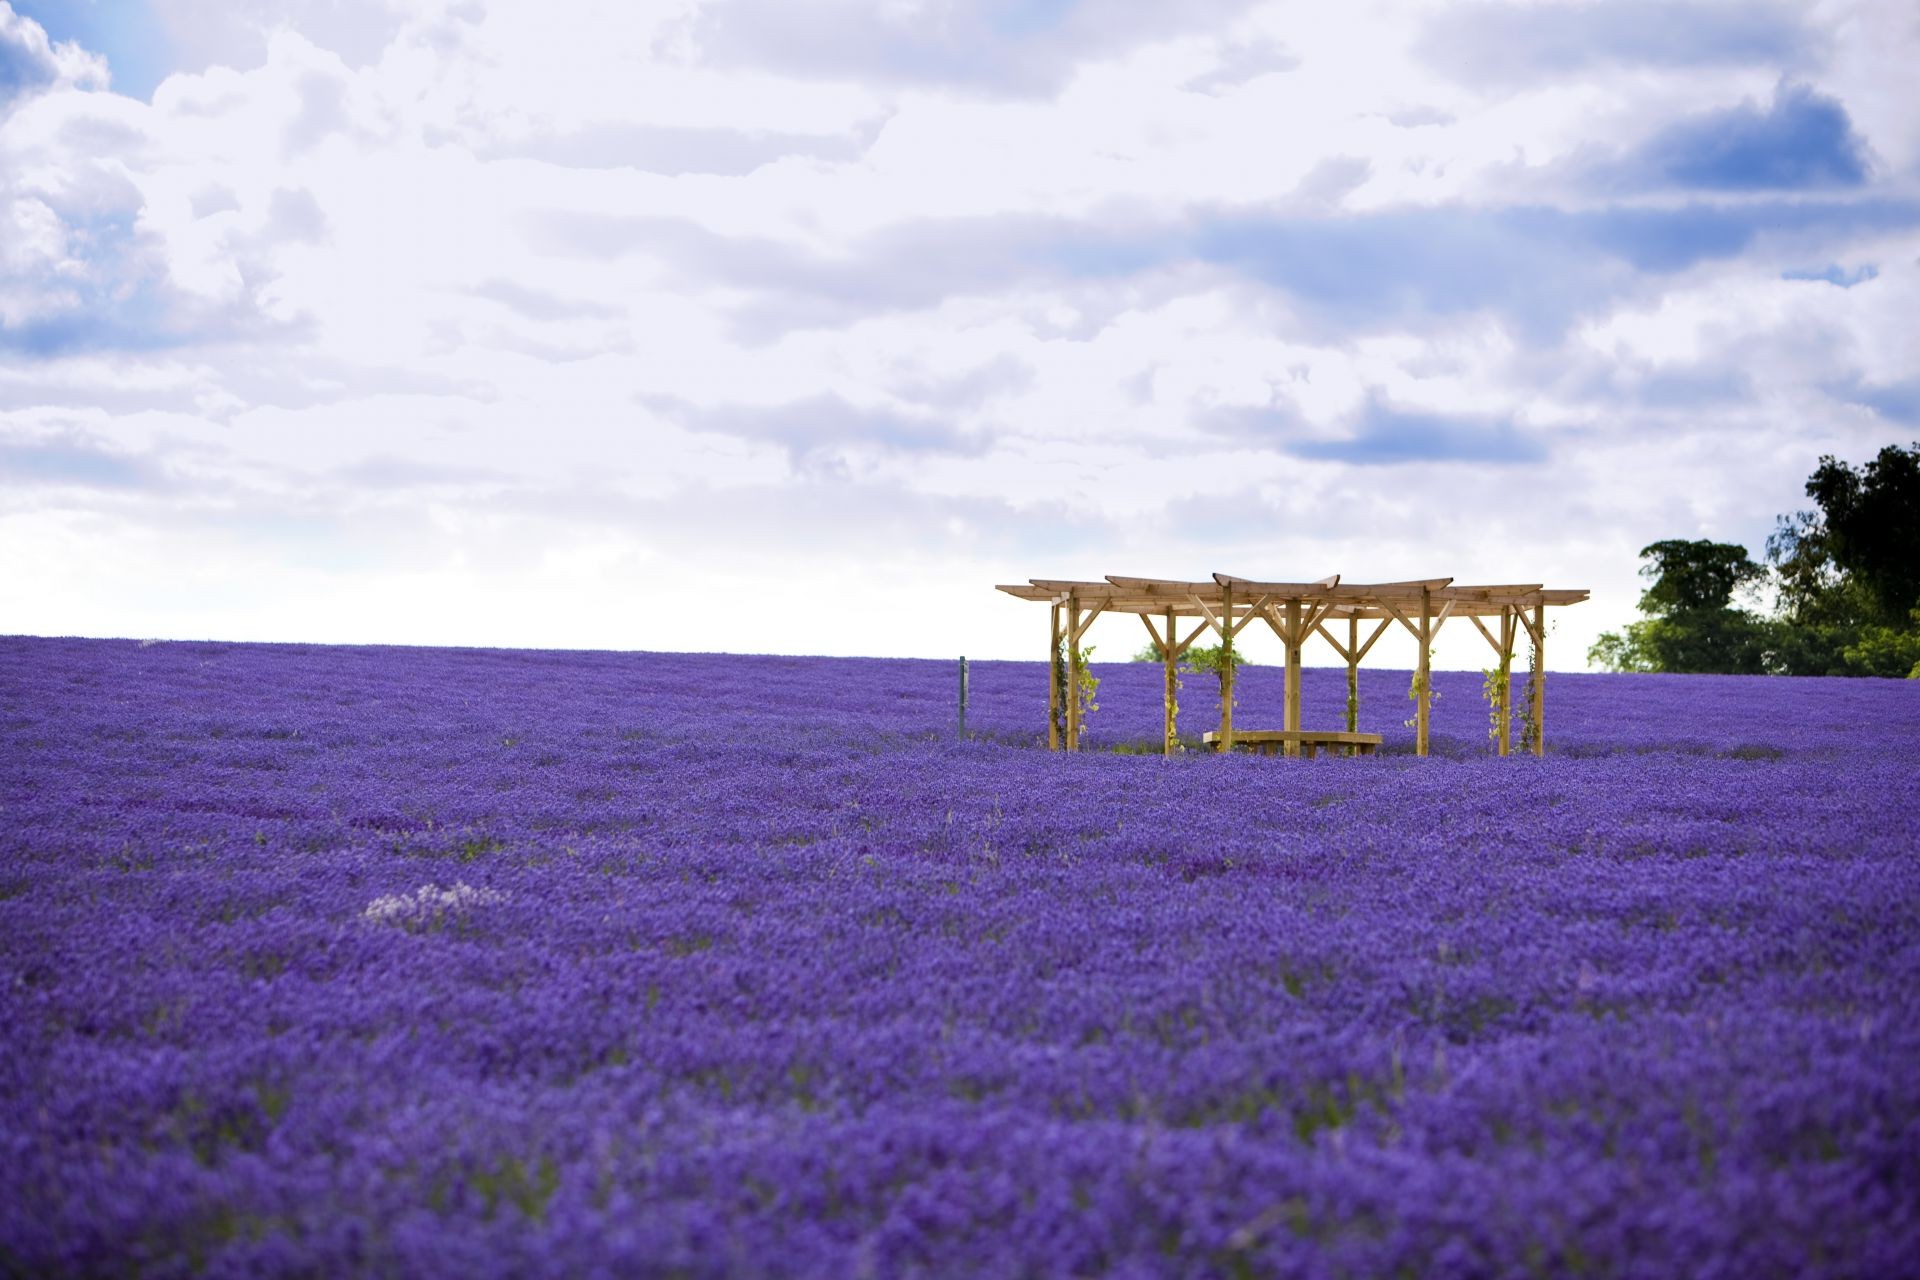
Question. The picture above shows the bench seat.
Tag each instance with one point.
(1269, 741)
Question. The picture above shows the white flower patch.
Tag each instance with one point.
(429, 906)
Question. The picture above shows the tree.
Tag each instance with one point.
(1212, 661)
(1691, 624)
(1848, 574)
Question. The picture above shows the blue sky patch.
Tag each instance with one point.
(1389, 435)
(1803, 141)
(1835, 274)
(127, 33)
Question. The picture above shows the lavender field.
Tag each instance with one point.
(331, 961)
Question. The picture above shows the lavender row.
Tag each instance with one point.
(464, 962)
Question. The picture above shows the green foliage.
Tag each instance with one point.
(1421, 683)
(1353, 699)
(1626, 650)
(1869, 526)
(1847, 576)
(1497, 689)
(1529, 700)
(1887, 651)
(1060, 682)
(1693, 576)
(1691, 623)
(1218, 661)
(509, 1181)
(1089, 686)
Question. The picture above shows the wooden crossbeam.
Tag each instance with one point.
(1146, 620)
(1206, 613)
(1081, 630)
(1253, 611)
(1075, 604)
(1187, 644)
(1377, 633)
(1483, 631)
(1283, 590)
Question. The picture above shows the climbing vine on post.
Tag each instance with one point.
(1059, 710)
(1218, 662)
(1089, 685)
(1528, 722)
(1496, 688)
(1353, 698)
(1420, 684)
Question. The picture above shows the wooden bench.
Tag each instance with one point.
(1269, 741)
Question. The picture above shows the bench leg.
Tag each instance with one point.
(1309, 749)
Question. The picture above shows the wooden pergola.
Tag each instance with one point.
(1296, 611)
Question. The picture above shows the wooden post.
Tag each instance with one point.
(1507, 626)
(1073, 673)
(1053, 682)
(1226, 669)
(1423, 675)
(1292, 717)
(1173, 710)
(1540, 680)
(1353, 674)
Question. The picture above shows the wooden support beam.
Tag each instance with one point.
(1170, 659)
(1506, 680)
(1295, 633)
(1053, 680)
(1081, 629)
(1346, 654)
(1533, 630)
(1274, 624)
(1352, 654)
(1207, 613)
(1073, 673)
(1256, 609)
(1377, 633)
(1146, 620)
(1180, 651)
(1401, 618)
(1539, 629)
(1226, 672)
(1482, 627)
(1423, 675)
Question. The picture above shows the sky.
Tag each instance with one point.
(757, 326)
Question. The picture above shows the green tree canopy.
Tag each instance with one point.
(1691, 624)
(1694, 576)
(1848, 573)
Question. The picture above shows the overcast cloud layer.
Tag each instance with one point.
(767, 326)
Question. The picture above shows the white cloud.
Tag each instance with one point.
(439, 323)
